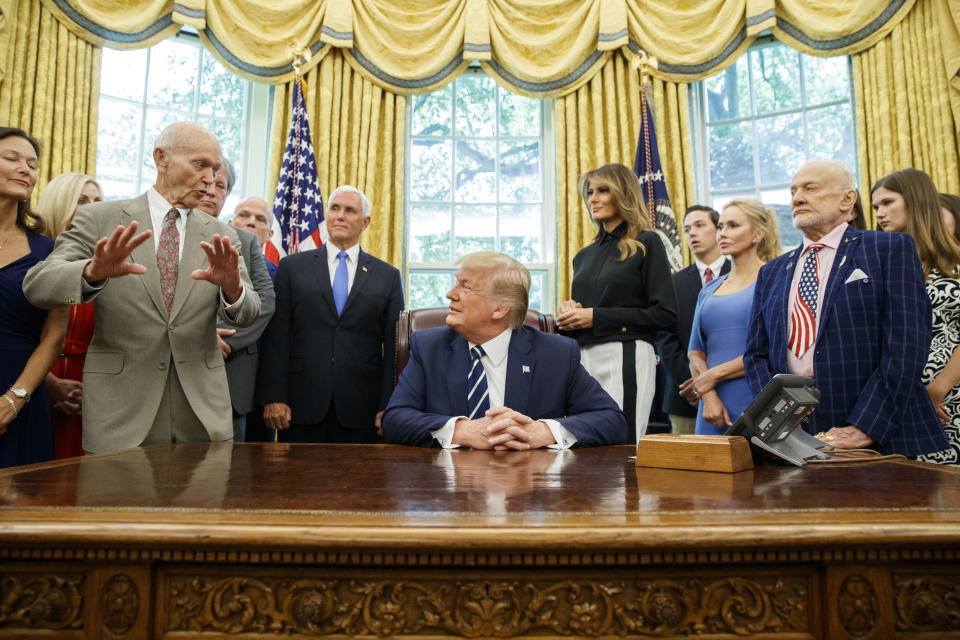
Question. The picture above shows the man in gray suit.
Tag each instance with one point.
(154, 372)
(239, 346)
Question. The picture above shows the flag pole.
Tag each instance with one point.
(646, 64)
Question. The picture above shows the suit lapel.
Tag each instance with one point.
(322, 272)
(196, 230)
(457, 369)
(138, 210)
(781, 298)
(359, 279)
(842, 264)
(520, 368)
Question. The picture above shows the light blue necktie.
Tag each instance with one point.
(478, 396)
(340, 279)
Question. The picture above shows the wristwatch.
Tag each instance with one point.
(20, 393)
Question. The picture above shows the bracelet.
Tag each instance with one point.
(13, 405)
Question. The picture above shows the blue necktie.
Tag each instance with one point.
(478, 396)
(340, 279)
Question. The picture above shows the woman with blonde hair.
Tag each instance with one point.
(56, 206)
(907, 201)
(748, 233)
(621, 294)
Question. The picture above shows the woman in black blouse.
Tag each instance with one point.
(621, 292)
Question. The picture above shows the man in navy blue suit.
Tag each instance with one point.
(850, 309)
(486, 381)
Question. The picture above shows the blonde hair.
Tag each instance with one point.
(58, 201)
(764, 219)
(508, 281)
(627, 198)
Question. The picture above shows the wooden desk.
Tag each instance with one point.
(209, 541)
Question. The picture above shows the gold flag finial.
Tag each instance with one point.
(646, 64)
(300, 56)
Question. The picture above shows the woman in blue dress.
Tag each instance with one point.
(748, 233)
(30, 338)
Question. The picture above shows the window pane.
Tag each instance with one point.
(122, 73)
(428, 289)
(173, 75)
(118, 136)
(520, 232)
(432, 113)
(538, 281)
(779, 201)
(831, 133)
(476, 106)
(519, 116)
(520, 170)
(430, 170)
(728, 93)
(221, 93)
(827, 79)
(476, 227)
(476, 171)
(230, 135)
(780, 141)
(776, 78)
(429, 233)
(731, 155)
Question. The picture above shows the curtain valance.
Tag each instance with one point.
(541, 48)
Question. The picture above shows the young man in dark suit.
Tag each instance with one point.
(700, 228)
(326, 359)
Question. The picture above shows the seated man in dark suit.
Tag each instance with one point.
(850, 309)
(486, 381)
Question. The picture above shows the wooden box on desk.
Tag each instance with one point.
(727, 454)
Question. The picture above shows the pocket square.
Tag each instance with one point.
(857, 274)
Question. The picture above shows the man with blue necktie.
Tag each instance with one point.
(850, 309)
(325, 360)
(486, 381)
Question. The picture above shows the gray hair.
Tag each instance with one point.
(227, 167)
(840, 170)
(365, 203)
(508, 281)
(177, 135)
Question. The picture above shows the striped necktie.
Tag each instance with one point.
(803, 321)
(478, 396)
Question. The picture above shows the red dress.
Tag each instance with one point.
(68, 430)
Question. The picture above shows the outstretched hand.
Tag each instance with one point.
(111, 253)
(223, 267)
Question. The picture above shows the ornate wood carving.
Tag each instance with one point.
(927, 602)
(120, 602)
(487, 607)
(857, 606)
(41, 600)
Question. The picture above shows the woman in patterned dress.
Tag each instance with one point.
(57, 205)
(907, 201)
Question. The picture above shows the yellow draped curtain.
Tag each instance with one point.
(50, 87)
(357, 131)
(599, 124)
(906, 107)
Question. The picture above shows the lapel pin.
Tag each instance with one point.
(364, 268)
(525, 368)
(842, 260)
(789, 265)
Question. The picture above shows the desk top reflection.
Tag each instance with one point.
(379, 494)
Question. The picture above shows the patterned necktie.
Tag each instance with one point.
(803, 322)
(478, 396)
(707, 275)
(168, 256)
(340, 279)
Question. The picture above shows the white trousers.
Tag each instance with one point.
(609, 363)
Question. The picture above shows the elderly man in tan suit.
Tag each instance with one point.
(154, 372)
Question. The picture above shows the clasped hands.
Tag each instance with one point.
(502, 428)
(571, 315)
(111, 253)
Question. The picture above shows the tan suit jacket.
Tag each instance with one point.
(135, 340)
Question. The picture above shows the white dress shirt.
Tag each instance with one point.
(333, 261)
(715, 268)
(494, 363)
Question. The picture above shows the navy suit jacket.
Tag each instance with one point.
(544, 380)
(872, 342)
(311, 357)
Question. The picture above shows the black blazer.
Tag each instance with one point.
(673, 346)
(309, 355)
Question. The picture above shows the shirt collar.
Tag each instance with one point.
(496, 348)
(831, 240)
(353, 254)
(715, 267)
(157, 202)
(616, 234)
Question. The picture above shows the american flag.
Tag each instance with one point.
(298, 204)
(649, 172)
(803, 321)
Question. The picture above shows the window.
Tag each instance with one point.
(763, 117)
(477, 180)
(143, 91)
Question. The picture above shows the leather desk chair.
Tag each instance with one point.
(417, 319)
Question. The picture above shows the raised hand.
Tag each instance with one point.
(111, 253)
(223, 267)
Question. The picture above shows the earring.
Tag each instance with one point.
(753, 244)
